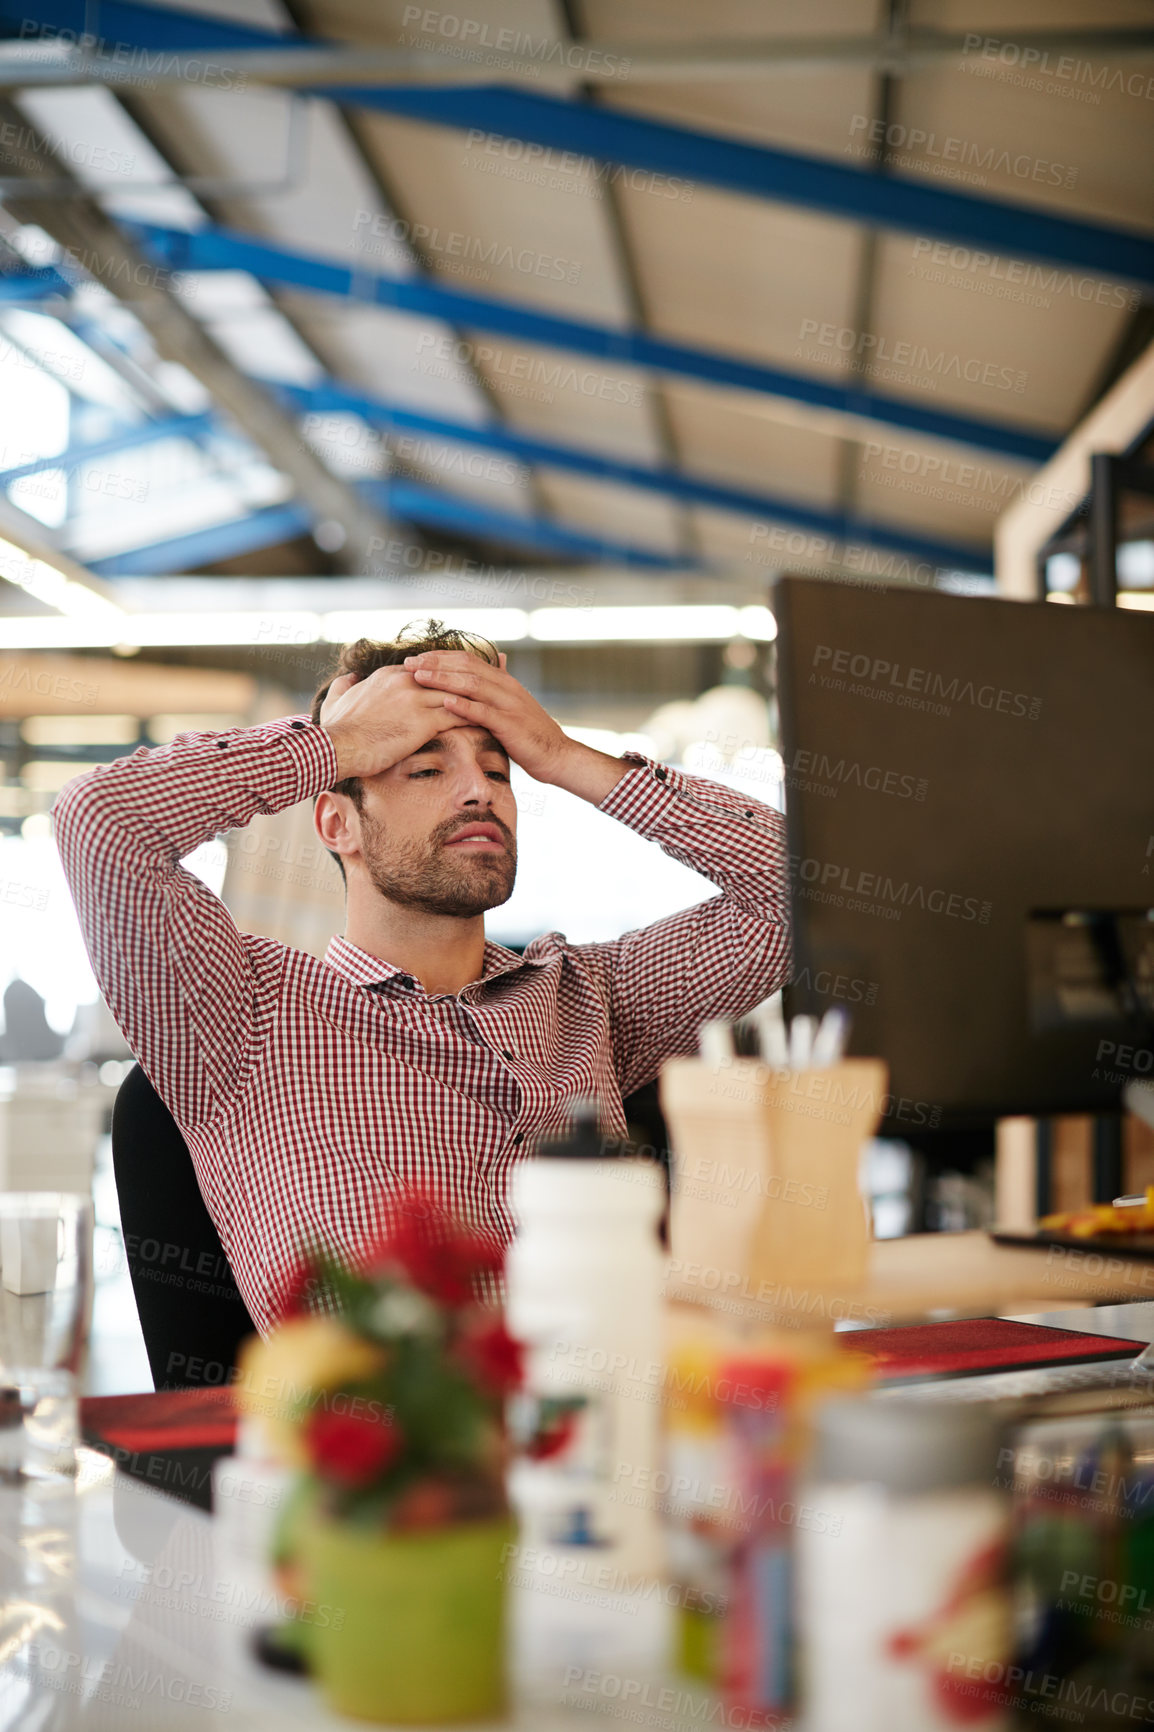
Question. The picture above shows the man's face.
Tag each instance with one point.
(438, 831)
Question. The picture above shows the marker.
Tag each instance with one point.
(829, 1042)
(801, 1036)
(770, 1023)
(715, 1042)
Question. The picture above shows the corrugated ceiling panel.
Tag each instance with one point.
(958, 346)
(735, 274)
(618, 513)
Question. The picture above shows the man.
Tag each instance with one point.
(416, 1053)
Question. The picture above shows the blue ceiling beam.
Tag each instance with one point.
(207, 546)
(34, 285)
(820, 184)
(120, 24)
(404, 500)
(611, 135)
(334, 398)
(447, 511)
(126, 439)
(215, 249)
(434, 508)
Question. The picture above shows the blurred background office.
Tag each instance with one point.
(569, 322)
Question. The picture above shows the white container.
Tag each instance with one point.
(904, 1610)
(584, 1292)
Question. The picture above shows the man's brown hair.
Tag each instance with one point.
(366, 655)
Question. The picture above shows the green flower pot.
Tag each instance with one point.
(410, 1627)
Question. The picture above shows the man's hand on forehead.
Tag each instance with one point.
(377, 721)
(483, 696)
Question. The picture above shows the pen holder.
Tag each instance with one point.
(765, 1174)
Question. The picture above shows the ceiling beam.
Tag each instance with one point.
(126, 439)
(438, 508)
(407, 501)
(39, 544)
(265, 57)
(665, 480)
(32, 286)
(334, 398)
(833, 407)
(611, 134)
(820, 184)
(93, 241)
(217, 541)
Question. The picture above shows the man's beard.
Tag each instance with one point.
(428, 876)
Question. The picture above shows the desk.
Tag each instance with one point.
(119, 1606)
(910, 1278)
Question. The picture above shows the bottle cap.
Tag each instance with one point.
(906, 1446)
(583, 1139)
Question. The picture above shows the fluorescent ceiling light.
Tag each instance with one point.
(49, 585)
(162, 630)
(499, 624)
(272, 630)
(95, 623)
(692, 624)
(757, 623)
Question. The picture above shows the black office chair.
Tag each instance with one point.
(191, 1312)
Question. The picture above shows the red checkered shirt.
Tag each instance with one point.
(306, 1089)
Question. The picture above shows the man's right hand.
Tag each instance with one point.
(376, 722)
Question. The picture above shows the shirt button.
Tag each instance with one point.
(507, 1054)
(221, 745)
(660, 774)
(519, 1138)
(299, 724)
(749, 814)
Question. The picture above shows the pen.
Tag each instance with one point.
(770, 1023)
(801, 1035)
(829, 1041)
(716, 1042)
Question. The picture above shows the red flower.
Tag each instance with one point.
(438, 1256)
(352, 1448)
(493, 1358)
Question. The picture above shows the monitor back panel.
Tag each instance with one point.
(957, 770)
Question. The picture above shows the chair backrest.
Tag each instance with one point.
(191, 1313)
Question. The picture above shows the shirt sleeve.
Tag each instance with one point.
(719, 959)
(190, 992)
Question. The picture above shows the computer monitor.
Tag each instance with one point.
(970, 810)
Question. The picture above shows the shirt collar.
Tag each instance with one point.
(361, 969)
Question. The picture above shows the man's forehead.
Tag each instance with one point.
(480, 739)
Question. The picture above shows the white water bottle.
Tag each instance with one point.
(584, 1292)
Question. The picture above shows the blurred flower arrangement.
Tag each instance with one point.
(386, 1382)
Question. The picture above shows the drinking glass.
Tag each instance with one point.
(45, 1312)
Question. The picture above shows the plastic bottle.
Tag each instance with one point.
(904, 1607)
(584, 1292)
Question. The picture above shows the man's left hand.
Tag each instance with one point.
(489, 697)
(484, 696)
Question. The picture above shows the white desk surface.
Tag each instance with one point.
(120, 1608)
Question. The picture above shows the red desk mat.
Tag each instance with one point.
(162, 1419)
(976, 1344)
